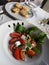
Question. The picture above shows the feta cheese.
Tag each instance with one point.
(17, 43)
(33, 45)
(23, 37)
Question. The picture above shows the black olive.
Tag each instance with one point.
(13, 24)
(8, 25)
(17, 23)
(22, 23)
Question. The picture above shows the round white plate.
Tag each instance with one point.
(8, 8)
(5, 57)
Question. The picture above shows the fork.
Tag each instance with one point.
(30, 4)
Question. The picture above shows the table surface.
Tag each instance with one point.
(40, 14)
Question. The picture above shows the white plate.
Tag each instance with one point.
(5, 56)
(4, 51)
(8, 8)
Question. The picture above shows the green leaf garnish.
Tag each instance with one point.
(19, 28)
(40, 37)
(27, 49)
(29, 44)
(37, 50)
(31, 30)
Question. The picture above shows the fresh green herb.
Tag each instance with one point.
(31, 30)
(29, 44)
(37, 50)
(41, 34)
(40, 37)
(27, 49)
(16, 27)
(19, 28)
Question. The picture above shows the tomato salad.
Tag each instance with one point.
(24, 42)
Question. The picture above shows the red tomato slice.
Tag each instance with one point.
(12, 47)
(22, 55)
(13, 40)
(15, 35)
(22, 41)
(16, 54)
(31, 53)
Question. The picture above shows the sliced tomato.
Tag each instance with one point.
(22, 41)
(31, 53)
(22, 55)
(16, 54)
(33, 43)
(12, 47)
(13, 40)
(15, 35)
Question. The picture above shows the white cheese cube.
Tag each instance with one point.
(23, 37)
(17, 43)
(33, 45)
